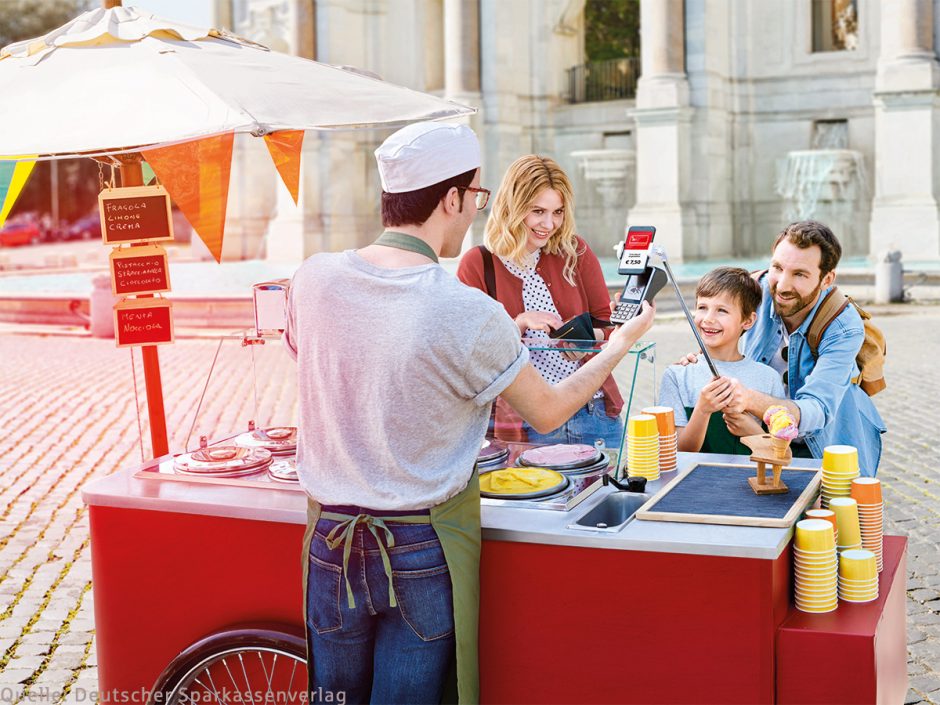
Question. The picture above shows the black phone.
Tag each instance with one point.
(644, 281)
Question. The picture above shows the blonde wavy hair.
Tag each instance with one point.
(506, 234)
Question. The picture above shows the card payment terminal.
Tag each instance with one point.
(643, 280)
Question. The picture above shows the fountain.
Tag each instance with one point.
(609, 170)
(828, 183)
(612, 173)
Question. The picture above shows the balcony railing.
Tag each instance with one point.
(614, 79)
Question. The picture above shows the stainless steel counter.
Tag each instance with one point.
(507, 524)
(288, 505)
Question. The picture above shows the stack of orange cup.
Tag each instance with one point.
(839, 468)
(668, 436)
(815, 566)
(643, 446)
(867, 492)
(850, 534)
(827, 515)
(858, 576)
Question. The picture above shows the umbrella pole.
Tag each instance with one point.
(132, 175)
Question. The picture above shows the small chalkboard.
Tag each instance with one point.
(716, 493)
(135, 214)
(139, 270)
(143, 322)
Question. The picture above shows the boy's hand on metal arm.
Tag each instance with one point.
(689, 359)
(737, 404)
(714, 396)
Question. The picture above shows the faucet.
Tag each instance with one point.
(634, 484)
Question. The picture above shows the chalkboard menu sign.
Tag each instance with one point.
(139, 270)
(143, 322)
(135, 214)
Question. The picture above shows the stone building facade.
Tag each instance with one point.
(746, 113)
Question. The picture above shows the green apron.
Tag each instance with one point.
(718, 439)
(457, 524)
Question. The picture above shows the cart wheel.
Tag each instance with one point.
(248, 665)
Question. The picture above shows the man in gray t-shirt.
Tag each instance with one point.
(398, 364)
(394, 404)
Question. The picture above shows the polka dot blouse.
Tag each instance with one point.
(552, 365)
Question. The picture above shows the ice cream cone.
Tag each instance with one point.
(780, 447)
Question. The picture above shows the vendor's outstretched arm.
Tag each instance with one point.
(546, 407)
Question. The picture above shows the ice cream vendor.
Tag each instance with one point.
(398, 364)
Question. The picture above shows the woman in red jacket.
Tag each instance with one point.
(545, 274)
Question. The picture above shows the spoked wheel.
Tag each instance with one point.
(244, 666)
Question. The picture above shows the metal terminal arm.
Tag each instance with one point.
(661, 253)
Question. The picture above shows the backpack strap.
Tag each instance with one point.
(829, 310)
(489, 271)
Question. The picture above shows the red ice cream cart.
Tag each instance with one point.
(198, 590)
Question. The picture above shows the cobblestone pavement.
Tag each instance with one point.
(67, 412)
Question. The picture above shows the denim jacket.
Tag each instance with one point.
(833, 410)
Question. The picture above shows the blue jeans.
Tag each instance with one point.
(586, 426)
(373, 652)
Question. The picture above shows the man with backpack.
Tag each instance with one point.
(829, 357)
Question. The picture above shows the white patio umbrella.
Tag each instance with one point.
(115, 79)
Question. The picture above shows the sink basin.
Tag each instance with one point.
(612, 513)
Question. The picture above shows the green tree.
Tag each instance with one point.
(25, 19)
(611, 29)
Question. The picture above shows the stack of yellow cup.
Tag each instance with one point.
(858, 576)
(867, 492)
(815, 566)
(643, 446)
(846, 511)
(839, 468)
(826, 514)
(668, 436)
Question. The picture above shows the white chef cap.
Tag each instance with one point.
(426, 153)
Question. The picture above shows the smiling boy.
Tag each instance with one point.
(726, 303)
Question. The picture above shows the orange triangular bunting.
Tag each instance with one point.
(285, 146)
(196, 175)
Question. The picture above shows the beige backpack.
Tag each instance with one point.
(871, 357)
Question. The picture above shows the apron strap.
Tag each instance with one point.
(404, 241)
(342, 535)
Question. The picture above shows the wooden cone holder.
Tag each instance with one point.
(763, 454)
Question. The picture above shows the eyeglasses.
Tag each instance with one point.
(482, 195)
(785, 354)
